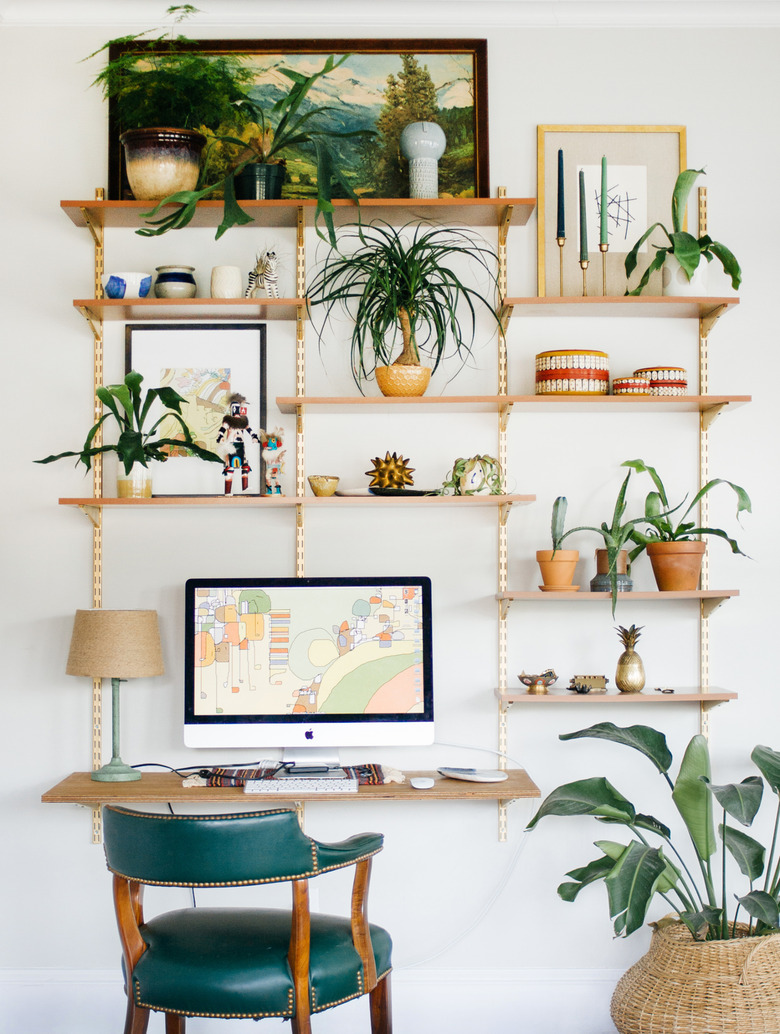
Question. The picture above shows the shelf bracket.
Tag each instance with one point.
(503, 513)
(709, 606)
(503, 606)
(503, 416)
(504, 315)
(93, 513)
(95, 327)
(710, 415)
(709, 320)
(503, 226)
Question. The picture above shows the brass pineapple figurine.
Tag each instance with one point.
(630, 674)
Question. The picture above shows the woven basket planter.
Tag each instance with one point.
(682, 986)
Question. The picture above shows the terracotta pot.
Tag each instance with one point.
(159, 161)
(682, 986)
(602, 562)
(676, 565)
(558, 569)
(400, 380)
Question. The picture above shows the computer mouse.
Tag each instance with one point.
(421, 782)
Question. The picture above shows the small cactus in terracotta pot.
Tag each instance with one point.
(557, 565)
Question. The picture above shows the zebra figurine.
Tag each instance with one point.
(264, 276)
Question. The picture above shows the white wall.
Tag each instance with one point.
(481, 938)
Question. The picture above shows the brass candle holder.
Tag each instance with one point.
(561, 241)
(603, 248)
(584, 267)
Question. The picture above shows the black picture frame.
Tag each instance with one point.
(205, 363)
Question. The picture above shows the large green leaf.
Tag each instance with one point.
(761, 906)
(747, 852)
(767, 761)
(739, 800)
(615, 851)
(632, 884)
(641, 737)
(594, 796)
(584, 876)
(682, 189)
(686, 250)
(693, 798)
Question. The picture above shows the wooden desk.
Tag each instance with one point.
(162, 787)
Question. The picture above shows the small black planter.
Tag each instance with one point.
(258, 182)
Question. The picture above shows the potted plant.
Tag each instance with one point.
(705, 970)
(164, 93)
(136, 446)
(674, 545)
(400, 283)
(684, 251)
(166, 88)
(615, 561)
(265, 144)
(557, 565)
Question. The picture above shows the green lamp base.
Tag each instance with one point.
(116, 771)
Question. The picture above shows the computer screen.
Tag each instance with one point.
(308, 663)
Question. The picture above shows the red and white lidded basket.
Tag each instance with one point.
(566, 372)
(630, 386)
(665, 380)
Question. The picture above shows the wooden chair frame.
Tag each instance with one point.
(128, 904)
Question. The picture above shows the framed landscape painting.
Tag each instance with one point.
(382, 86)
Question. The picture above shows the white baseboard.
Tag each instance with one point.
(536, 1001)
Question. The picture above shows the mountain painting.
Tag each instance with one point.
(379, 89)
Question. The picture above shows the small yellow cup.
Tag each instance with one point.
(323, 484)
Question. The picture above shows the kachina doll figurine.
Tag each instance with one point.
(235, 427)
(273, 454)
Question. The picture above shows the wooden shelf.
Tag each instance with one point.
(464, 211)
(706, 700)
(238, 502)
(640, 307)
(113, 309)
(164, 787)
(706, 404)
(710, 599)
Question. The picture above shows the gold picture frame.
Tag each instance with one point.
(648, 157)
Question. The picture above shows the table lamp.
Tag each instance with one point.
(115, 644)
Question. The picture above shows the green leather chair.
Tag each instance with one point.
(236, 961)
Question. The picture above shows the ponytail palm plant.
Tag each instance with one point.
(399, 288)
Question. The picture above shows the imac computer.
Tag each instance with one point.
(308, 665)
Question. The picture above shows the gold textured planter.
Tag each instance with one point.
(682, 986)
(676, 565)
(630, 673)
(399, 380)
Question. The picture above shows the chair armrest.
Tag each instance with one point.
(349, 851)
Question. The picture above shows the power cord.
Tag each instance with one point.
(503, 881)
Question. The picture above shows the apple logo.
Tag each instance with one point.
(309, 734)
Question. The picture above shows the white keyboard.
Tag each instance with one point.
(301, 784)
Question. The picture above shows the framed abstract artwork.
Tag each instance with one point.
(642, 164)
(206, 364)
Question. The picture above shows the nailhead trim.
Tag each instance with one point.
(218, 1015)
(314, 871)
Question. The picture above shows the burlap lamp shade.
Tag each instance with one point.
(115, 644)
